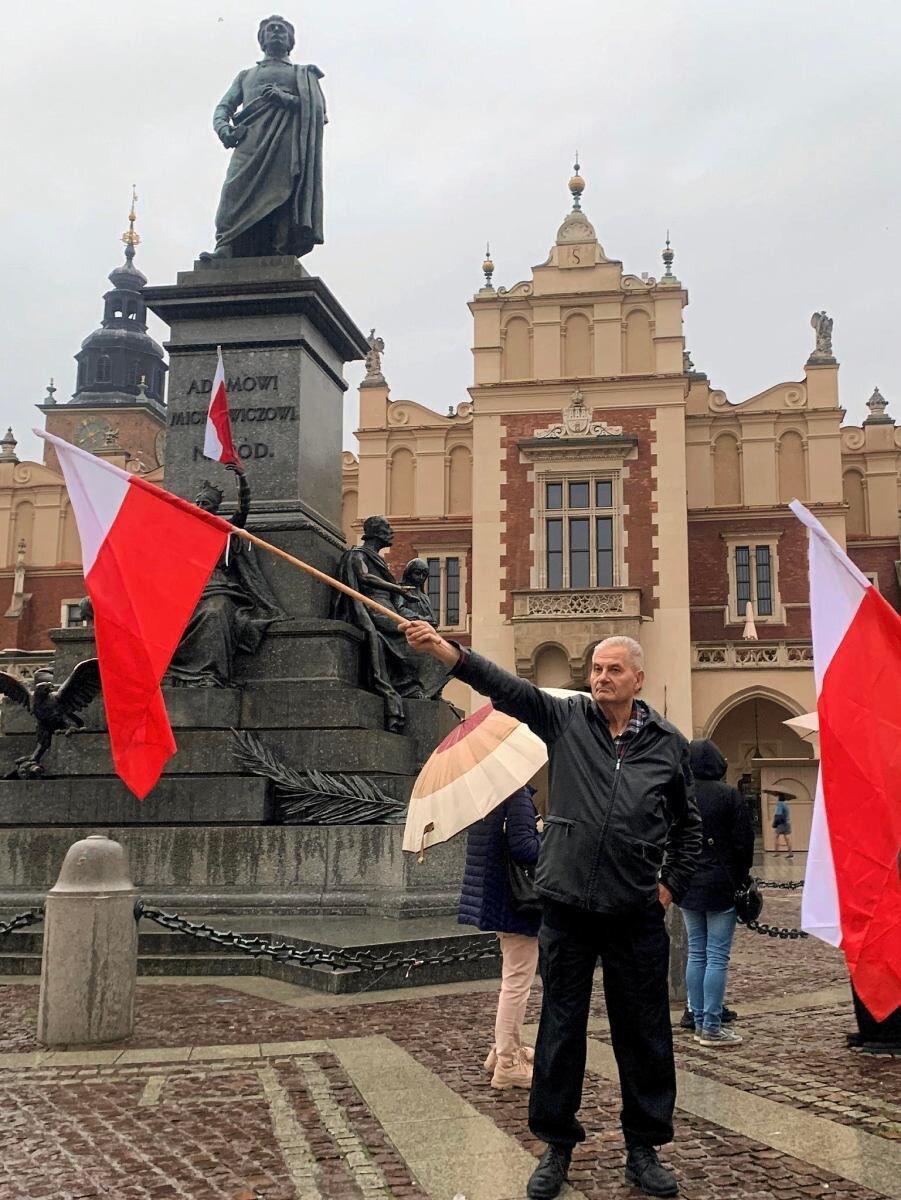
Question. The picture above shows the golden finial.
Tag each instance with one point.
(577, 185)
(130, 237)
(488, 266)
(668, 256)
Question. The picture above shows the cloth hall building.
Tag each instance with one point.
(595, 483)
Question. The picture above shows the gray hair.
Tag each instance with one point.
(636, 654)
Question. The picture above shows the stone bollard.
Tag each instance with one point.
(678, 955)
(90, 959)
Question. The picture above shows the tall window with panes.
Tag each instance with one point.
(579, 533)
(754, 580)
(443, 587)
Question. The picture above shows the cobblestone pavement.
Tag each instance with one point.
(296, 1124)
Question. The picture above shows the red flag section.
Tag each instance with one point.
(852, 888)
(147, 557)
(217, 439)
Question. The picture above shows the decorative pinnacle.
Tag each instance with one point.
(668, 255)
(49, 398)
(130, 237)
(877, 404)
(577, 185)
(488, 266)
(142, 389)
(8, 447)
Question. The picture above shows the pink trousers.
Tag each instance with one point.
(518, 965)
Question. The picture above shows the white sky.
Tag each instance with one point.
(763, 133)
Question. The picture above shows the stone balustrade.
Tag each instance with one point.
(748, 655)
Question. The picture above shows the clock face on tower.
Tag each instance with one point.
(159, 447)
(89, 433)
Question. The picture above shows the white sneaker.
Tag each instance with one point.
(724, 1036)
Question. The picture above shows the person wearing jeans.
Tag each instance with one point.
(709, 945)
(708, 908)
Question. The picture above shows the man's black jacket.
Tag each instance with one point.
(615, 825)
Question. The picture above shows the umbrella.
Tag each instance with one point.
(478, 765)
(778, 792)
(805, 726)
(749, 633)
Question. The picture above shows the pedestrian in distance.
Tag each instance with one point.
(708, 907)
(782, 821)
(509, 833)
(621, 840)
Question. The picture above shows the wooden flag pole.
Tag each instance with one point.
(320, 575)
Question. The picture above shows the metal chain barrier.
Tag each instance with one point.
(789, 885)
(21, 921)
(336, 960)
(775, 931)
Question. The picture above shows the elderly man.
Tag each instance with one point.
(621, 841)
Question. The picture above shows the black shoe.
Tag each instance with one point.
(643, 1169)
(728, 1015)
(549, 1176)
(688, 1021)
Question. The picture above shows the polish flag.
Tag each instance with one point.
(852, 888)
(217, 438)
(147, 555)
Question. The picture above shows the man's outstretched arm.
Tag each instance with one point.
(545, 715)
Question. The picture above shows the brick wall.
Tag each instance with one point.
(880, 559)
(709, 580)
(410, 537)
(518, 497)
(42, 611)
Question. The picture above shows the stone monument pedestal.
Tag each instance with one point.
(209, 838)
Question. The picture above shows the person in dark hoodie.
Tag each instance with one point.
(708, 907)
(509, 831)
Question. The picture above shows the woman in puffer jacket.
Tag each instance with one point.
(486, 903)
(708, 907)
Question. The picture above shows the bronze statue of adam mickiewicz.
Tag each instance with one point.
(272, 118)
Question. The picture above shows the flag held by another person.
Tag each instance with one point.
(218, 443)
(852, 888)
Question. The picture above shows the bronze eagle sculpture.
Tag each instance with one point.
(55, 709)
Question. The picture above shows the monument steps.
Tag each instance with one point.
(210, 752)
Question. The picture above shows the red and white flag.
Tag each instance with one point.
(217, 438)
(852, 889)
(147, 555)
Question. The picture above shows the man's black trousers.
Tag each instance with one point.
(634, 952)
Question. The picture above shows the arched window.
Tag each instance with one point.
(726, 470)
(104, 371)
(577, 346)
(402, 484)
(134, 374)
(459, 488)
(856, 499)
(552, 667)
(639, 355)
(517, 343)
(132, 310)
(349, 504)
(792, 468)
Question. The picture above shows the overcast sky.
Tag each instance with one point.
(764, 133)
